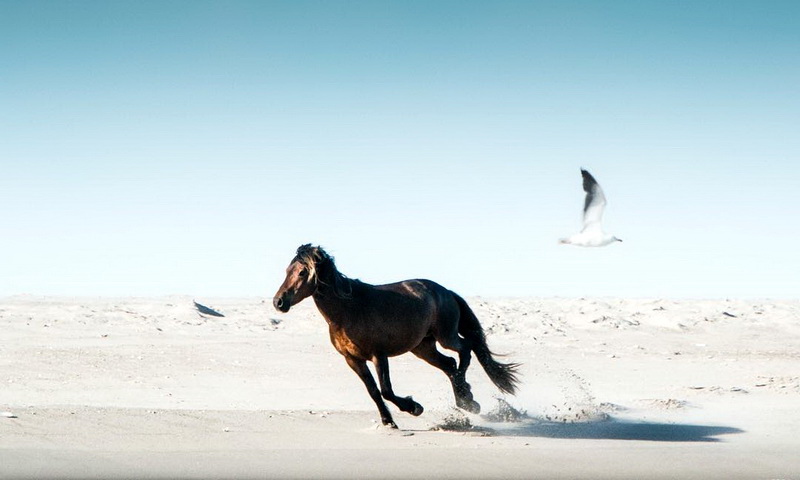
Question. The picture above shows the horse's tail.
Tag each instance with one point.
(503, 375)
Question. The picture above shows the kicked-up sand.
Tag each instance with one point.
(611, 388)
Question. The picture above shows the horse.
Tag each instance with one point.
(375, 322)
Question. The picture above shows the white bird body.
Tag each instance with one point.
(590, 239)
(592, 234)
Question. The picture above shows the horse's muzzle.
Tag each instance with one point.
(282, 303)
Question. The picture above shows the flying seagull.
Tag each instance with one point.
(592, 234)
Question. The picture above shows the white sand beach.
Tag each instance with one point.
(611, 388)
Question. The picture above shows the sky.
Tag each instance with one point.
(162, 147)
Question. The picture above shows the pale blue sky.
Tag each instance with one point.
(151, 148)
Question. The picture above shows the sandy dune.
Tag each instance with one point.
(613, 388)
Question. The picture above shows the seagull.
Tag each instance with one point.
(592, 234)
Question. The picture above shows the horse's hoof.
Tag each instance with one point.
(412, 407)
(389, 423)
(469, 405)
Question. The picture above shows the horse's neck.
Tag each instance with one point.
(333, 308)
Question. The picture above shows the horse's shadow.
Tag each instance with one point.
(614, 429)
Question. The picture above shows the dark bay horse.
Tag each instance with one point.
(375, 322)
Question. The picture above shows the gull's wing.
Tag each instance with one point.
(595, 202)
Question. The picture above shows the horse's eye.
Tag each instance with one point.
(303, 272)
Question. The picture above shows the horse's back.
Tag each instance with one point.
(418, 291)
(430, 302)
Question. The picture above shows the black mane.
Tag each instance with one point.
(329, 278)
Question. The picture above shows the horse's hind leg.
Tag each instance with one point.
(406, 404)
(360, 367)
(461, 389)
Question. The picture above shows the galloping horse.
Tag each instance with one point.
(375, 322)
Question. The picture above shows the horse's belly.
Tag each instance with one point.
(366, 346)
(394, 348)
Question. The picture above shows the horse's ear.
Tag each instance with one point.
(303, 248)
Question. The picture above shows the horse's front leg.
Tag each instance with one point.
(360, 367)
(406, 404)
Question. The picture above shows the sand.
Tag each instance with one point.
(612, 388)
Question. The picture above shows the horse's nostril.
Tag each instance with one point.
(278, 302)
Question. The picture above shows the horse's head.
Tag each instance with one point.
(302, 277)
